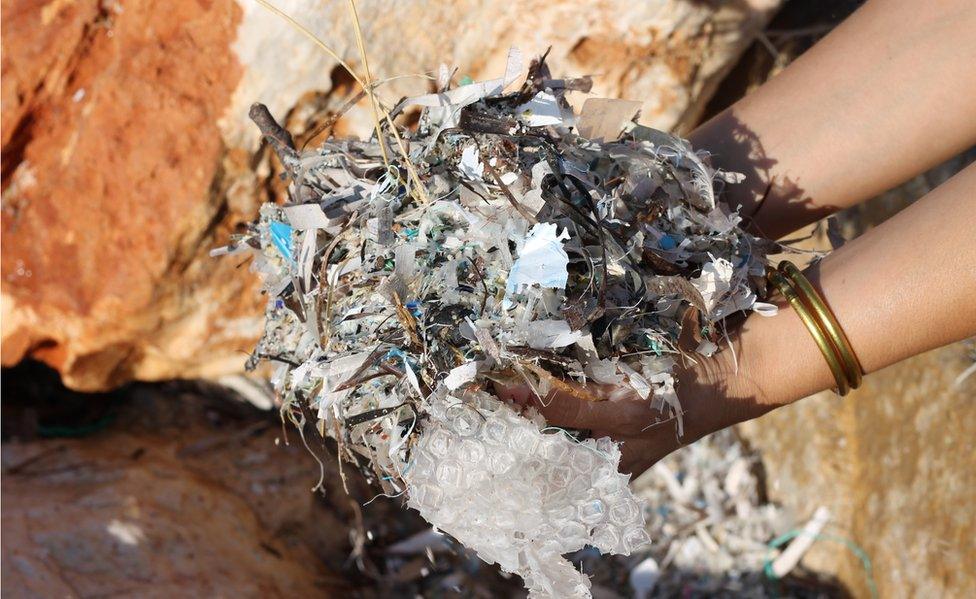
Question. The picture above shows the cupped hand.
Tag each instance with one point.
(714, 392)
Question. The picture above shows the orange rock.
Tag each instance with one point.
(110, 171)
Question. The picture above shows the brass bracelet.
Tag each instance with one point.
(828, 351)
(828, 322)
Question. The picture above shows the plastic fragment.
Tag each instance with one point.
(542, 260)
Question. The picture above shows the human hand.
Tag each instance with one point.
(768, 362)
(888, 313)
(713, 392)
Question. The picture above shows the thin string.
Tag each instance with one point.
(375, 497)
(369, 79)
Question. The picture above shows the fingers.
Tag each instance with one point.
(623, 413)
(645, 435)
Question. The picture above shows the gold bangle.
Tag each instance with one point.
(828, 351)
(828, 322)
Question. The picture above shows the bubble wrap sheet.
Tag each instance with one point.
(521, 496)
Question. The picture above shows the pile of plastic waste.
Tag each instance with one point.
(510, 240)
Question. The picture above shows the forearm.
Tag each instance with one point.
(887, 95)
(900, 289)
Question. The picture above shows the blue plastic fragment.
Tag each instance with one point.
(281, 237)
(466, 80)
(414, 307)
(395, 352)
(667, 243)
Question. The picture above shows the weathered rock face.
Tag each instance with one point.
(179, 497)
(110, 156)
(179, 489)
(893, 463)
(127, 155)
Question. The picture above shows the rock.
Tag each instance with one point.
(179, 496)
(669, 55)
(127, 154)
(893, 463)
(111, 174)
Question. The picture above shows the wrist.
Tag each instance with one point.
(737, 383)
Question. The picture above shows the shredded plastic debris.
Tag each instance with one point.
(531, 255)
(709, 523)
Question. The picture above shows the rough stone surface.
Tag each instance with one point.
(180, 489)
(179, 497)
(893, 463)
(127, 155)
(669, 55)
(111, 190)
